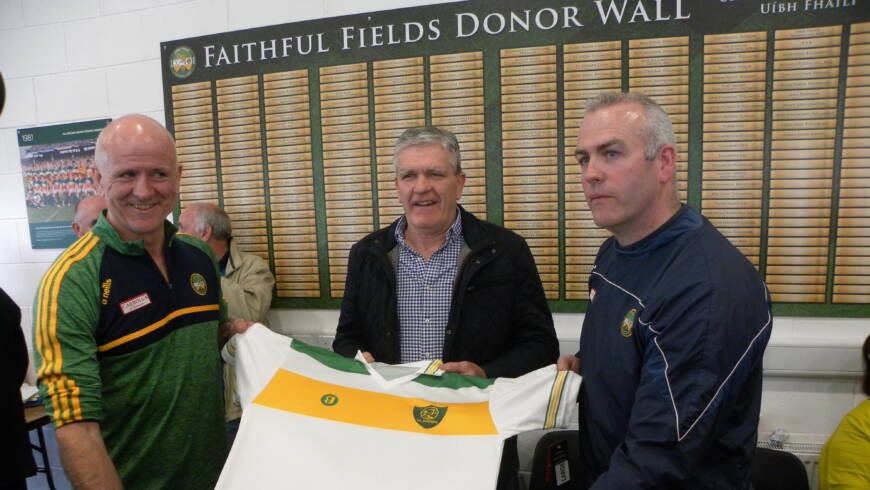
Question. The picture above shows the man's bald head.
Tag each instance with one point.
(133, 133)
(87, 212)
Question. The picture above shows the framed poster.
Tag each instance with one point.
(57, 166)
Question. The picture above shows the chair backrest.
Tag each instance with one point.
(778, 470)
(554, 464)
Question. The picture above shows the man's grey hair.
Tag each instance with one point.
(656, 130)
(429, 135)
(213, 216)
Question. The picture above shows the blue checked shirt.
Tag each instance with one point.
(424, 290)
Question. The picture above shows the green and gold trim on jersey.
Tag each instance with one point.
(555, 399)
(156, 325)
(427, 378)
(433, 367)
(62, 391)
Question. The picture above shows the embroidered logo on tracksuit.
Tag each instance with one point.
(628, 323)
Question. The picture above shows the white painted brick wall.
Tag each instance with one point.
(54, 11)
(108, 7)
(13, 14)
(8, 152)
(188, 19)
(335, 8)
(9, 246)
(802, 405)
(28, 275)
(12, 190)
(32, 51)
(20, 110)
(135, 87)
(256, 13)
(71, 96)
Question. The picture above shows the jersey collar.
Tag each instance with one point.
(392, 375)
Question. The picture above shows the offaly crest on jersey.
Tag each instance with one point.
(628, 323)
(329, 399)
(429, 416)
(197, 282)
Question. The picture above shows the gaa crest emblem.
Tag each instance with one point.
(182, 62)
(429, 416)
(628, 323)
(197, 282)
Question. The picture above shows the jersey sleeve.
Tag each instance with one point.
(65, 317)
(542, 399)
(256, 354)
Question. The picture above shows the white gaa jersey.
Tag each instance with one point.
(313, 419)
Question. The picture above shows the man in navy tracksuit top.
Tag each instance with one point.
(678, 319)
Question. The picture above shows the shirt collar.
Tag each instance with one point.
(453, 233)
(107, 232)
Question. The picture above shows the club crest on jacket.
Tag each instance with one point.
(628, 323)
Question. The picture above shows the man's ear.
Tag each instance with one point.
(667, 162)
(206, 233)
(98, 181)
